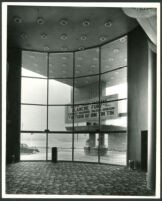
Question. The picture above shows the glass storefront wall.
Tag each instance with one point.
(78, 101)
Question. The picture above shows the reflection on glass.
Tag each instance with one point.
(113, 148)
(33, 91)
(61, 65)
(57, 117)
(34, 64)
(60, 91)
(86, 147)
(63, 142)
(33, 146)
(87, 62)
(86, 89)
(114, 54)
(33, 118)
(115, 115)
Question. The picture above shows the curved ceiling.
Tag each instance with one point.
(65, 28)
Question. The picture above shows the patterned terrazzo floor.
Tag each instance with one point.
(67, 178)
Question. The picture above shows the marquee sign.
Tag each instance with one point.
(90, 112)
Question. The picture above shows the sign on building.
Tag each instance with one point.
(90, 112)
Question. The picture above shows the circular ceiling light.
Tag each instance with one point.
(123, 39)
(32, 56)
(81, 48)
(111, 59)
(115, 50)
(103, 38)
(43, 36)
(35, 64)
(63, 37)
(108, 24)
(116, 72)
(63, 22)
(64, 65)
(78, 65)
(86, 81)
(80, 58)
(64, 58)
(64, 48)
(77, 71)
(40, 20)
(95, 59)
(83, 37)
(46, 48)
(64, 71)
(112, 78)
(17, 19)
(93, 66)
(24, 36)
(50, 65)
(86, 23)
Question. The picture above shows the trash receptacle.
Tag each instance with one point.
(54, 154)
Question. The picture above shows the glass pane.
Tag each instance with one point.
(34, 64)
(33, 118)
(86, 147)
(63, 142)
(114, 54)
(33, 146)
(33, 91)
(86, 117)
(57, 117)
(61, 65)
(87, 62)
(115, 116)
(114, 83)
(60, 91)
(113, 147)
(86, 89)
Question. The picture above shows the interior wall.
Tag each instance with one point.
(13, 105)
(137, 91)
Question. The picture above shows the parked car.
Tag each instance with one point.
(24, 148)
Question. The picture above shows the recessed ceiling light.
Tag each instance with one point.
(112, 78)
(95, 59)
(111, 59)
(86, 81)
(35, 64)
(40, 20)
(83, 37)
(44, 36)
(102, 38)
(116, 72)
(32, 56)
(64, 48)
(80, 58)
(17, 20)
(64, 65)
(63, 37)
(64, 71)
(77, 71)
(93, 66)
(115, 50)
(108, 24)
(63, 22)
(64, 58)
(86, 23)
(46, 48)
(24, 36)
(123, 39)
(81, 48)
(50, 65)
(78, 65)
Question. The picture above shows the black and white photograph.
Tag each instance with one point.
(81, 100)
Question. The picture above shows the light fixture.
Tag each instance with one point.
(80, 58)
(63, 37)
(93, 66)
(111, 59)
(32, 56)
(83, 37)
(17, 20)
(64, 71)
(24, 36)
(112, 78)
(81, 48)
(123, 39)
(43, 36)
(102, 38)
(64, 58)
(35, 64)
(64, 22)
(46, 48)
(78, 65)
(64, 65)
(86, 23)
(40, 20)
(116, 72)
(108, 24)
(86, 81)
(116, 50)
(95, 59)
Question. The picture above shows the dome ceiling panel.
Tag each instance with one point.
(69, 21)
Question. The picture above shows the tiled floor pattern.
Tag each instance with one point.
(68, 178)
